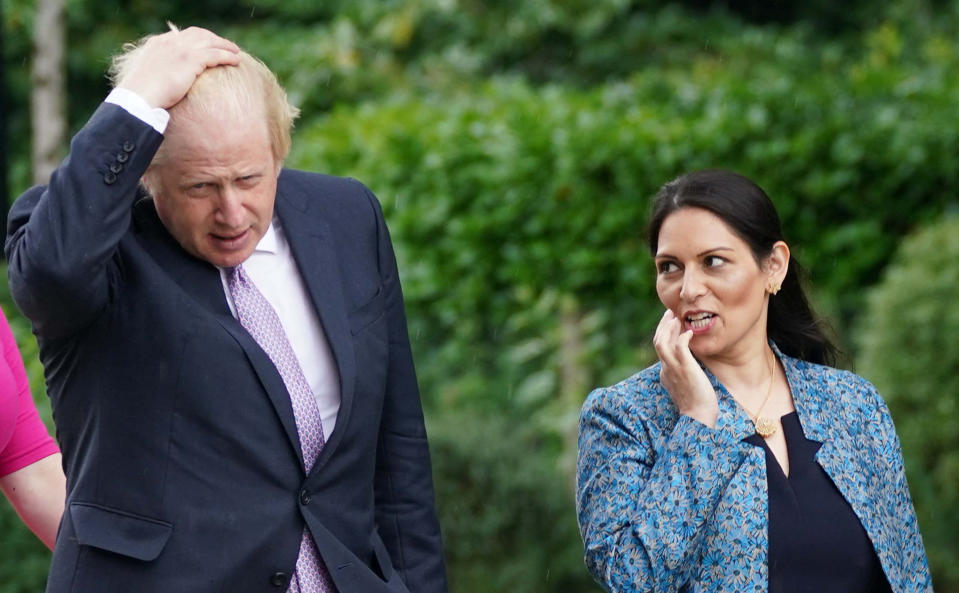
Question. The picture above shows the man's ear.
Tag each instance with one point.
(148, 182)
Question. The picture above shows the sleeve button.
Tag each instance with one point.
(116, 168)
(110, 178)
(128, 146)
(123, 157)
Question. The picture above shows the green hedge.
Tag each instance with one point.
(506, 510)
(911, 351)
(505, 195)
(518, 211)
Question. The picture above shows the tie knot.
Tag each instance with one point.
(235, 275)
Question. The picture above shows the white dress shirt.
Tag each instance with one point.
(273, 270)
(138, 107)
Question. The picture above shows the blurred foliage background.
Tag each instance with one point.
(515, 146)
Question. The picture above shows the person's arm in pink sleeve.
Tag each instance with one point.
(37, 492)
(31, 475)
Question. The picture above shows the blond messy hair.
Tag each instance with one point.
(238, 90)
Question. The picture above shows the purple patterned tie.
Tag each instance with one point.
(260, 320)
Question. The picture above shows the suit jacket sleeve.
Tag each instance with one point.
(642, 511)
(62, 237)
(405, 509)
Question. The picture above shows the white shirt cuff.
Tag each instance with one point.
(136, 106)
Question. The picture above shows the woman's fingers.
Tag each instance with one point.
(665, 338)
(680, 373)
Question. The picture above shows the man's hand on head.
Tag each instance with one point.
(168, 64)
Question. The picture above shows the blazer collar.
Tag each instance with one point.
(809, 405)
(843, 457)
(812, 408)
(312, 246)
(196, 277)
(201, 280)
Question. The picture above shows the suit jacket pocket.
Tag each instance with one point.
(119, 532)
(366, 314)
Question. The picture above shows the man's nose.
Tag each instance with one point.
(230, 211)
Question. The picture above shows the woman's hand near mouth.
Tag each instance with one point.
(683, 378)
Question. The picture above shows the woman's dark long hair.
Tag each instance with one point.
(749, 212)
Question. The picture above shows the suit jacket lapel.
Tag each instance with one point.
(202, 282)
(312, 248)
(198, 278)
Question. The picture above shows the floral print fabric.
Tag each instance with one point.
(666, 503)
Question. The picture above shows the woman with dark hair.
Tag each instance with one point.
(740, 461)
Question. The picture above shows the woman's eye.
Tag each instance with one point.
(667, 267)
(712, 261)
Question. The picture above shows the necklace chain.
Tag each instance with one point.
(765, 426)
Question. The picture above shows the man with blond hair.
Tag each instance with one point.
(225, 347)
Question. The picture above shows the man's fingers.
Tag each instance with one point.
(208, 41)
(168, 64)
(219, 57)
(201, 47)
(204, 36)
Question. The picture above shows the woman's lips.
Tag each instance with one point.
(699, 322)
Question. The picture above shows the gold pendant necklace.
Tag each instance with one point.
(765, 426)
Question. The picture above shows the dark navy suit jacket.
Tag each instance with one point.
(183, 466)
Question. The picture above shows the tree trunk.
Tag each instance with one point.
(47, 113)
(574, 379)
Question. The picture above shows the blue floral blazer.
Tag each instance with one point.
(666, 503)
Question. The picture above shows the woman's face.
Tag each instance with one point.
(707, 276)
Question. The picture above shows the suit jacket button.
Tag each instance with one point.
(116, 167)
(305, 497)
(128, 146)
(122, 157)
(110, 178)
(278, 579)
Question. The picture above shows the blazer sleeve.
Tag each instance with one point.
(901, 532)
(405, 507)
(62, 237)
(641, 510)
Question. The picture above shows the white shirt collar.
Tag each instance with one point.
(268, 242)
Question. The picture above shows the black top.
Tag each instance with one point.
(816, 542)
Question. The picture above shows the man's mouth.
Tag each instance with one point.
(231, 240)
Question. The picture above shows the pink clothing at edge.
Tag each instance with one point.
(23, 437)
